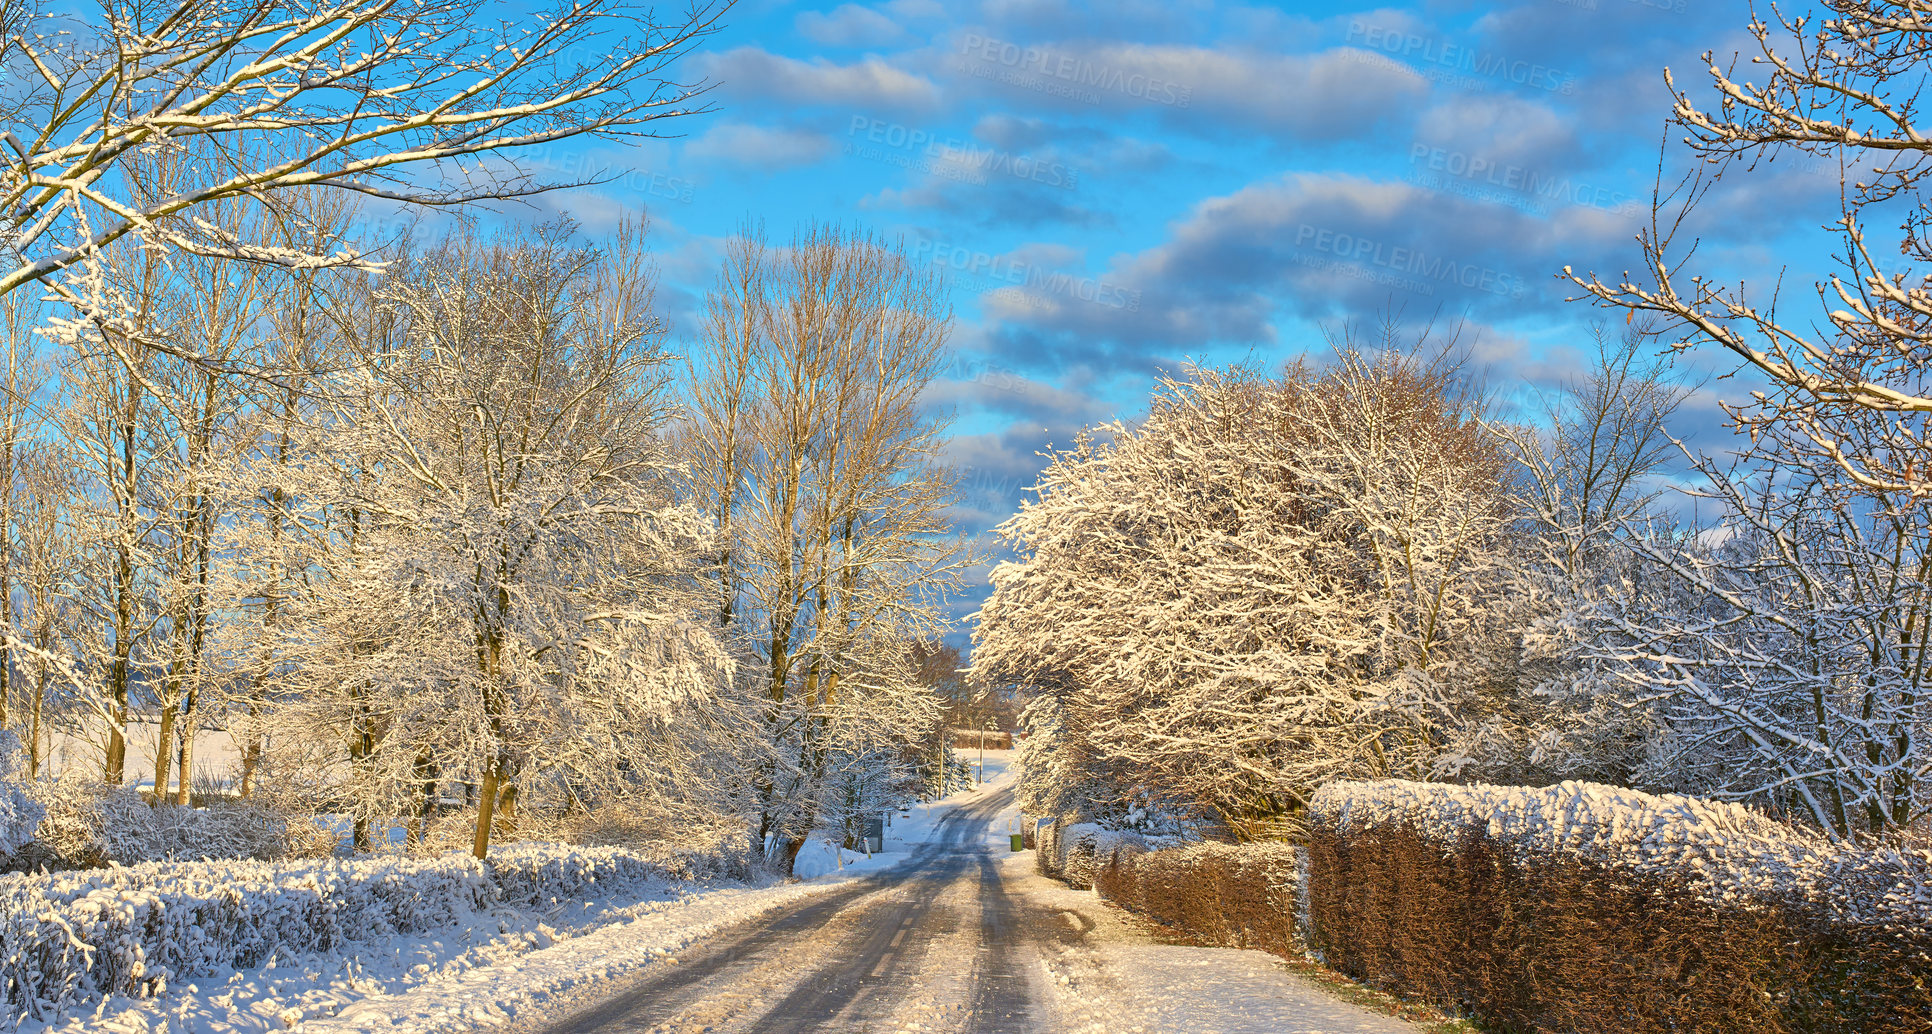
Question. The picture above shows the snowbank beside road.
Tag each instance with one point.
(545, 924)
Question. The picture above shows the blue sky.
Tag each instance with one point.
(1118, 188)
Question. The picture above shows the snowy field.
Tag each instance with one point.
(502, 965)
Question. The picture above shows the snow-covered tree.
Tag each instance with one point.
(1267, 584)
(503, 588)
(1841, 85)
(1592, 467)
(431, 102)
(1785, 647)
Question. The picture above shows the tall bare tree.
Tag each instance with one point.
(821, 464)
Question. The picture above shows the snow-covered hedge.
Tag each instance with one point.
(1583, 907)
(88, 824)
(1237, 895)
(71, 937)
(1724, 852)
(1074, 851)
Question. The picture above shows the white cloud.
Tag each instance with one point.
(765, 146)
(850, 25)
(756, 74)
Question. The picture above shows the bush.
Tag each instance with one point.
(75, 936)
(1584, 908)
(1230, 895)
(1066, 851)
(20, 814)
(89, 824)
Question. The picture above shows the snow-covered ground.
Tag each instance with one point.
(1107, 975)
(508, 964)
(1063, 959)
(914, 826)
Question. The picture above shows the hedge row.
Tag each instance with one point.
(1239, 896)
(1587, 908)
(71, 937)
(1571, 909)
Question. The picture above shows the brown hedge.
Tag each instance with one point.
(1239, 896)
(1564, 945)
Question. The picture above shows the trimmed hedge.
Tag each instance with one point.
(1572, 909)
(1582, 908)
(1237, 896)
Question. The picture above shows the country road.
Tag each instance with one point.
(961, 937)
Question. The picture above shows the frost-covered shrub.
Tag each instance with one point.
(90, 824)
(20, 814)
(1074, 852)
(71, 937)
(1066, 851)
(1587, 907)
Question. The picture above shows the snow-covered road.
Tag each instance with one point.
(963, 936)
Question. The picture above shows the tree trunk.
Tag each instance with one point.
(485, 812)
(163, 753)
(184, 770)
(787, 855)
(252, 745)
(33, 738)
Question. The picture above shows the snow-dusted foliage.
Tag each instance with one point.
(89, 823)
(1727, 852)
(20, 813)
(1268, 584)
(1785, 647)
(74, 937)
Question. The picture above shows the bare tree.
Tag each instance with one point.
(423, 103)
(1591, 467)
(45, 569)
(1788, 647)
(1841, 90)
(24, 377)
(822, 469)
(109, 419)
